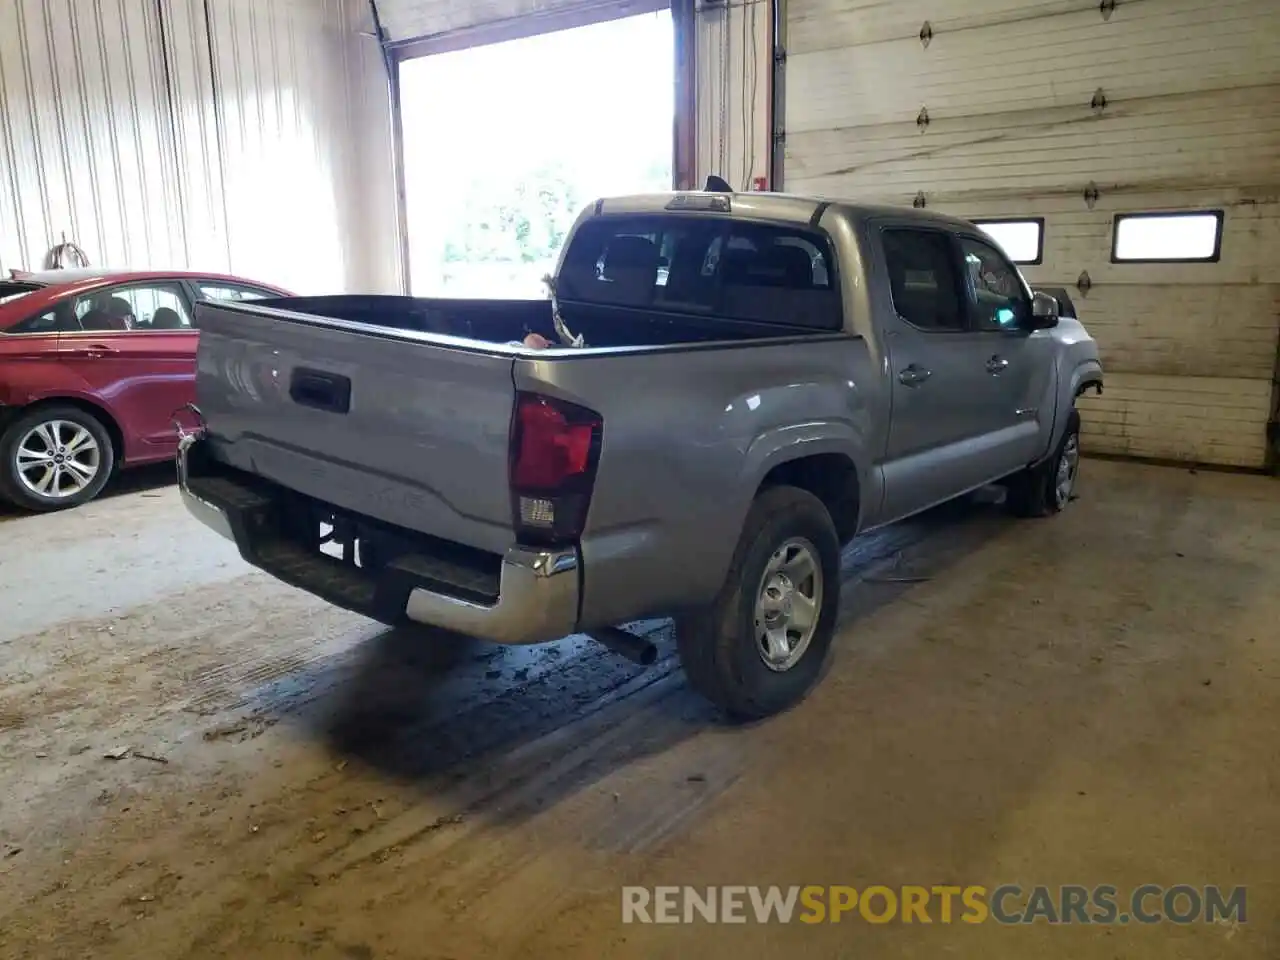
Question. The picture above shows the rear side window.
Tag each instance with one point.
(12, 290)
(744, 271)
(59, 319)
(923, 278)
(226, 291)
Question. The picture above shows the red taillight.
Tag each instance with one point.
(549, 447)
(554, 449)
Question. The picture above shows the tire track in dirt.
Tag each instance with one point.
(418, 771)
(472, 845)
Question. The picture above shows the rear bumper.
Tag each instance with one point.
(537, 600)
(534, 600)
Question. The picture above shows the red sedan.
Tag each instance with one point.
(93, 364)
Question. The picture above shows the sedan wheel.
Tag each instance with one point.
(55, 457)
(58, 459)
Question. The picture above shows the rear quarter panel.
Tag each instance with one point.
(32, 370)
(29, 367)
(688, 436)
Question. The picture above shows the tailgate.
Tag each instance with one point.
(406, 427)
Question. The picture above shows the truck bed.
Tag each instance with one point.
(504, 321)
(400, 409)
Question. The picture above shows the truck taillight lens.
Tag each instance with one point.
(555, 447)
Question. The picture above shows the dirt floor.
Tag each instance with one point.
(199, 762)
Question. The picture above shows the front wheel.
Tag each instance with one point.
(762, 644)
(1048, 487)
(54, 457)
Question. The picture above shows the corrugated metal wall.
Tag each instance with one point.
(733, 91)
(87, 144)
(227, 134)
(256, 137)
(280, 111)
(1076, 111)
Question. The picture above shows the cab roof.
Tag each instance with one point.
(794, 209)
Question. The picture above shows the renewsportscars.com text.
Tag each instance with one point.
(1003, 904)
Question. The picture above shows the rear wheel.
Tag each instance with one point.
(54, 457)
(762, 644)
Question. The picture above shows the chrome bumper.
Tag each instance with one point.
(538, 588)
(210, 514)
(537, 601)
(213, 517)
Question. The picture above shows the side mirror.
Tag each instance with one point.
(1044, 312)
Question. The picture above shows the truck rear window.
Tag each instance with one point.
(690, 263)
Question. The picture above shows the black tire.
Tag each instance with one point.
(1034, 492)
(12, 486)
(718, 646)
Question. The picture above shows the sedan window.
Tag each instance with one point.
(58, 320)
(150, 306)
(12, 290)
(226, 291)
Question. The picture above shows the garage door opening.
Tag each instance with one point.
(505, 144)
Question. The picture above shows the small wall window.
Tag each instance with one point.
(1167, 237)
(1021, 240)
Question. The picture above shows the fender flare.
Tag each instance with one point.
(1085, 376)
(787, 444)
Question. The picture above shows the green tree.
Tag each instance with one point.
(523, 219)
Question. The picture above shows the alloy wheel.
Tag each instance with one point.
(57, 459)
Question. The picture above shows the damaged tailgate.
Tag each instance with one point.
(406, 427)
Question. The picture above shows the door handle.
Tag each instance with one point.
(96, 351)
(996, 365)
(914, 375)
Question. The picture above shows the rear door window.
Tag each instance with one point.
(745, 271)
(923, 279)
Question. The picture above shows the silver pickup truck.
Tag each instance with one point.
(750, 381)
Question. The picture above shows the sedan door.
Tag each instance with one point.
(136, 353)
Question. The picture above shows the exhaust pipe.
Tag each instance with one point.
(636, 649)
